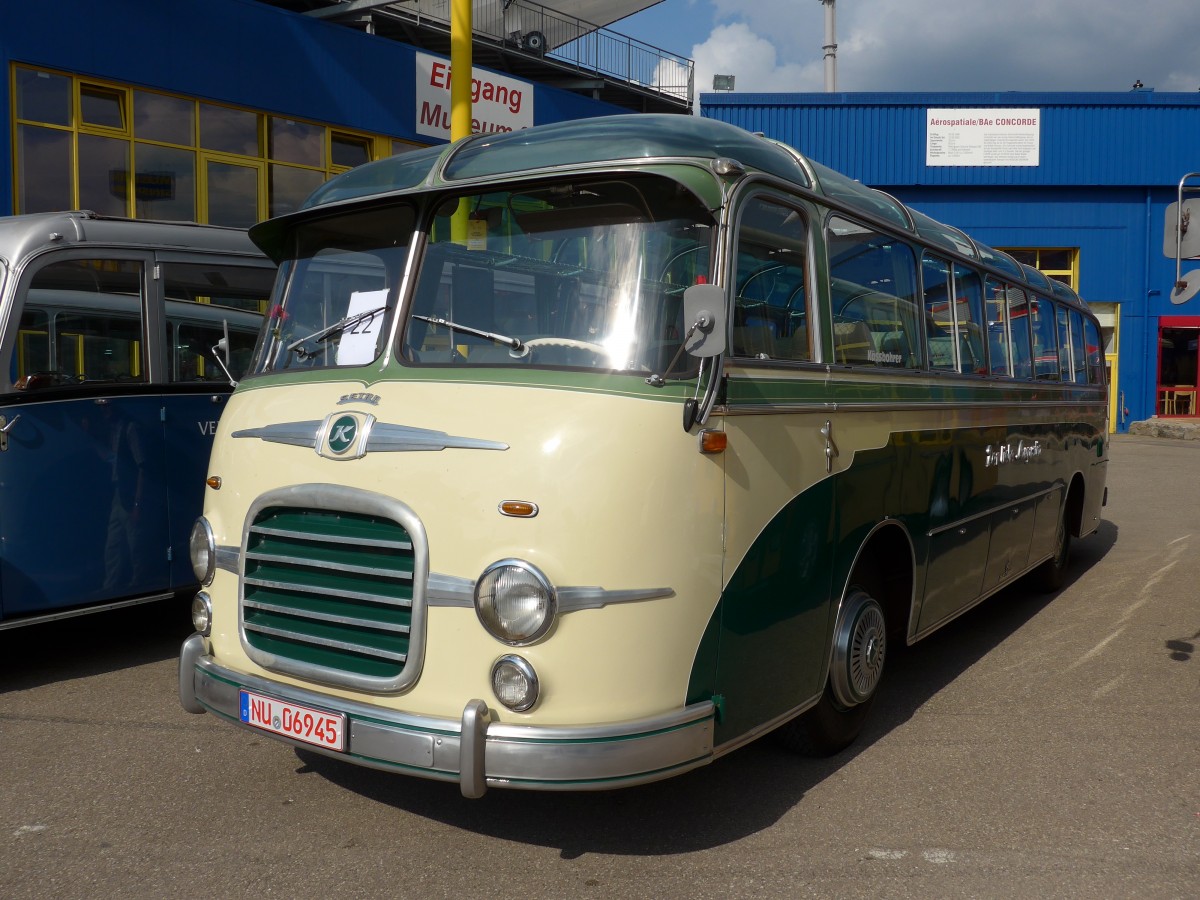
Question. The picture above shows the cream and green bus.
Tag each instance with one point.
(577, 457)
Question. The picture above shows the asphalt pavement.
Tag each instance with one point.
(1040, 746)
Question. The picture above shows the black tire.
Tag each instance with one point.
(534, 42)
(1051, 574)
(855, 672)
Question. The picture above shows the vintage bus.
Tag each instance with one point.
(110, 399)
(576, 457)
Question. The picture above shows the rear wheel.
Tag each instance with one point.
(1051, 574)
(855, 671)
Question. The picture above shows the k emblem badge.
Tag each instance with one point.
(344, 435)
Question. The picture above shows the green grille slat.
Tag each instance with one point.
(329, 588)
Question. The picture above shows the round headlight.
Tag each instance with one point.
(203, 551)
(202, 613)
(514, 601)
(514, 683)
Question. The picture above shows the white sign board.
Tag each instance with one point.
(498, 103)
(983, 137)
(359, 341)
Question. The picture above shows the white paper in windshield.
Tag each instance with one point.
(358, 342)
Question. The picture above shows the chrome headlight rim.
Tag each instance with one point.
(201, 540)
(202, 613)
(526, 670)
(492, 622)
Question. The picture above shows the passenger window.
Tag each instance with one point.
(82, 322)
(770, 316)
(1018, 326)
(873, 283)
(953, 311)
(1078, 350)
(1065, 372)
(997, 328)
(1095, 357)
(968, 292)
(941, 326)
(204, 301)
(1045, 352)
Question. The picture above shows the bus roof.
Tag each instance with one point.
(633, 139)
(25, 234)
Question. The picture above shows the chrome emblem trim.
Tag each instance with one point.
(371, 436)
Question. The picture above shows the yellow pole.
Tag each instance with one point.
(460, 94)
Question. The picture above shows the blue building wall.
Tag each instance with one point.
(233, 51)
(1109, 164)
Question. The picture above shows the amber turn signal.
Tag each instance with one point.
(522, 509)
(713, 441)
(214, 482)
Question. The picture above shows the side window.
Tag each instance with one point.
(770, 315)
(997, 328)
(205, 300)
(941, 323)
(953, 312)
(1078, 350)
(1018, 327)
(968, 302)
(873, 287)
(1045, 353)
(1065, 372)
(81, 322)
(1095, 358)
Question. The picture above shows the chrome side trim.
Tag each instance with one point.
(474, 749)
(298, 434)
(991, 511)
(382, 438)
(227, 558)
(401, 438)
(6, 624)
(454, 591)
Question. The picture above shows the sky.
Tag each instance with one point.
(932, 45)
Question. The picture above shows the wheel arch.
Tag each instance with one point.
(885, 566)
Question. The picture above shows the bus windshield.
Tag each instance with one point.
(581, 275)
(587, 274)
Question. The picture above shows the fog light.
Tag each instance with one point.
(202, 614)
(202, 548)
(514, 683)
(515, 601)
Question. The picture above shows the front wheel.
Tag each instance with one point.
(855, 671)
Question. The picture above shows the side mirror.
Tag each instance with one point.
(704, 313)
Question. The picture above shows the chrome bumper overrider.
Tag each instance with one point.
(473, 750)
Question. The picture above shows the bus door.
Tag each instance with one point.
(205, 301)
(82, 513)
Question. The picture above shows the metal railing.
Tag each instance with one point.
(570, 41)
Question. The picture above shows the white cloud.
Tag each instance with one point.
(752, 60)
(966, 45)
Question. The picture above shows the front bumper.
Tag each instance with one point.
(472, 750)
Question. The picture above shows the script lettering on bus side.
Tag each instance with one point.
(1021, 451)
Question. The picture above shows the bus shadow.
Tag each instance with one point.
(92, 644)
(738, 795)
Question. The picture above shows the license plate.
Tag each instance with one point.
(300, 723)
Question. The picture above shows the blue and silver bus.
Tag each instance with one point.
(120, 341)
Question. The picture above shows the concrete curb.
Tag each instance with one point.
(1167, 428)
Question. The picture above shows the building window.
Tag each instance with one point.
(1059, 263)
(124, 151)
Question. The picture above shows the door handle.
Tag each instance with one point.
(5, 428)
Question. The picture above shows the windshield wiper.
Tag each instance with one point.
(333, 330)
(516, 347)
